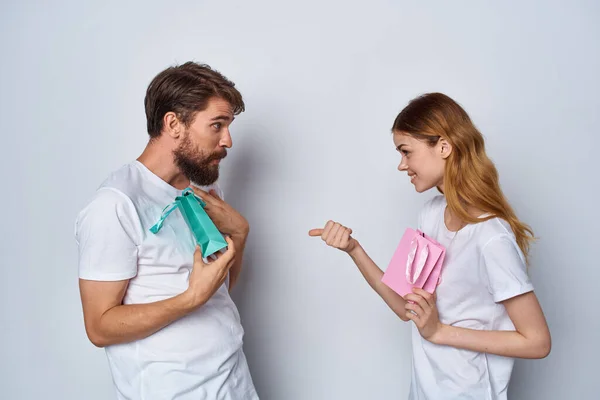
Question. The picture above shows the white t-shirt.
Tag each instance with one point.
(197, 357)
(483, 266)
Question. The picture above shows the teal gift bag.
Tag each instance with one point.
(191, 207)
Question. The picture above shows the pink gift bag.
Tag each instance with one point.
(417, 262)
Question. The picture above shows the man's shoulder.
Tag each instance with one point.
(126, 180)
(115, 194)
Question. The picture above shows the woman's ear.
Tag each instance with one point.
(445, 148)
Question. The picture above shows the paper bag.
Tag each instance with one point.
(205, 232)
(417, 262)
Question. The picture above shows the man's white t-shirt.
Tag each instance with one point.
(197, 357)
(483, 267)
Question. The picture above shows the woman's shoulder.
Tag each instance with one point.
(493, 229)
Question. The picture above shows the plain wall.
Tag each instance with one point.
(323, 82)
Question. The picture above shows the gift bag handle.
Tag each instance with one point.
(165, 213)
(190, 191)
(421, 260)
(171, 207)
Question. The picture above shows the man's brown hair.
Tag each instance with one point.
(186, 90)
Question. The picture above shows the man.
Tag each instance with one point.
(163, 313)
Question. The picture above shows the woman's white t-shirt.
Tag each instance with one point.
(483, 267)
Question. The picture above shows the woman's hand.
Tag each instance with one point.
(336, 235)
(422, 310)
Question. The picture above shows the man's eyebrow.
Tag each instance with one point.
(223, 118)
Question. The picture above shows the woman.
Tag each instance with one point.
(484, 312)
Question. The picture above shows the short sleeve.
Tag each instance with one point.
(106, 235)
(505, 268)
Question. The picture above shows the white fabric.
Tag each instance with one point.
(483, 267)
(197, 357)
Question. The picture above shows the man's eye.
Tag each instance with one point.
(217, 126)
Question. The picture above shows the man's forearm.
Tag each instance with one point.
(126, 323)
(240, 244)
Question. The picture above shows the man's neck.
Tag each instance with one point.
(158, 158)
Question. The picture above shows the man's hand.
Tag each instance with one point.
(207, 278)
(225, 217)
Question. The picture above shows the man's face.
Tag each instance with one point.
(204, 143)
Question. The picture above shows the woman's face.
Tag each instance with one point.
(423, 163)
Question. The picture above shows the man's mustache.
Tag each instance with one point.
(217, 156)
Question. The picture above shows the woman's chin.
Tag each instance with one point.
(421, 188)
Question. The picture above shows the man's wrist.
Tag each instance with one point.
(191, 301)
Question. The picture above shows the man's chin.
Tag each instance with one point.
(206, 180)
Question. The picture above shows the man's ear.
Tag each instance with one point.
(445, 148)
(172, 126)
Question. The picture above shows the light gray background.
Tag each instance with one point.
(323, 81)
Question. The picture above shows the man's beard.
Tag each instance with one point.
(195, 164)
